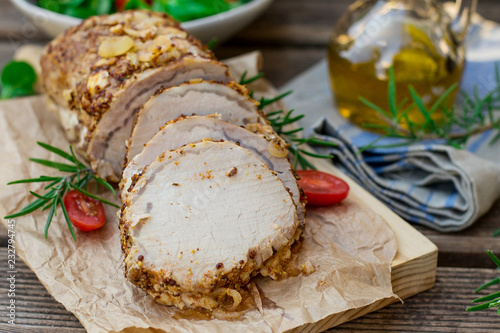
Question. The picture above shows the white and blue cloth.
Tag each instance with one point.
(438, 186)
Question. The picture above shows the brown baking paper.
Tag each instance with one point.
(350, 247)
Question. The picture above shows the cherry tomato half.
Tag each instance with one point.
(321, 188)
(84, 212)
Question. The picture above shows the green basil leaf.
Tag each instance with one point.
(80, 12)
(186, 10)
(136, 4)
(52, 5)
(104, 7)
(18, 74)
(73, 3)
(12, 92)
(159, 6)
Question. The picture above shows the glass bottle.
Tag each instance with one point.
(422, 43)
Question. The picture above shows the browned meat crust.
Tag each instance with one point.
(71, 63)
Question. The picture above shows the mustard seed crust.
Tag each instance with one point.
(167, 291)
(77, 76)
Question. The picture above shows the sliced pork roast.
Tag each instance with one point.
(185, 130)
(231, 101)
(100, 72)
(201, 220)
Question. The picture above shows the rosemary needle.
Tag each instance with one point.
(492, 300)
(456, 127)
(77, 178)
(279, 120)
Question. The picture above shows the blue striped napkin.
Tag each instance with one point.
(427, 183)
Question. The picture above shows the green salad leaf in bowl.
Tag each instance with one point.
(181, 10)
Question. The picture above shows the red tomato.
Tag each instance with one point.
(84, 212)
(321, 188)
(120, 4)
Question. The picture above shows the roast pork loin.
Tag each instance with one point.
(185, 130)
(230, 100)
(201, 220)
(100, 72)
(208, 201)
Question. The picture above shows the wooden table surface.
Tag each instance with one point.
(292, 36)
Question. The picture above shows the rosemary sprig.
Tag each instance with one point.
(279, 120)
(455, 128)
(245, 81)
(78, 177)
(492, 300)
(281, 123)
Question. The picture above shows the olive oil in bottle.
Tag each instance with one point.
(414, 37)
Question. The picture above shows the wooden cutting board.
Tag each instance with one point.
(413, 268)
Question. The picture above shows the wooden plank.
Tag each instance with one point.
(6, 52)
(34, 306)
(468, 248)
(14, 26)
(465, 251)
(441, 308)
(5, 328)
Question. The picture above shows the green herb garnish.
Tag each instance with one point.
(137, 4)
(181, 10)
(279, 120)
(79, 8)
(211, 43)
(456, 126)
(78, 177)
(187, 10)
(492, 300)
(17, 79)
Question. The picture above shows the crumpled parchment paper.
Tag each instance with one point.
(349, 245)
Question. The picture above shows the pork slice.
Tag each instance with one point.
(192, 129)
(107, 149)
(203, 217)
(230, 100)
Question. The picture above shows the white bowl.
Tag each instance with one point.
(220, 26)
